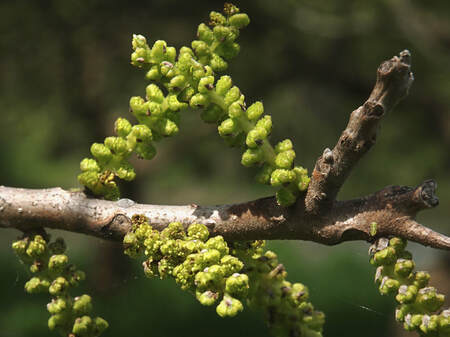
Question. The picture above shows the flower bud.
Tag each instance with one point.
(239, 20)
(229, 307)
(285, 159)
(82, 305)
(223, 85)
(207, 297)
(285, 197)
(205, 34)
(252, 156)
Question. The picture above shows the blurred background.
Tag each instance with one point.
(65, 77)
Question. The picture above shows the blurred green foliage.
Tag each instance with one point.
(65, 77)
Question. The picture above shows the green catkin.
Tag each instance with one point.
(225, 275)
(54, 274)
(190, 79)
(419, 305)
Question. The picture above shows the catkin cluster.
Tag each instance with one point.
(190, 79)
(420, 306)
(225, 275)
(55, 275)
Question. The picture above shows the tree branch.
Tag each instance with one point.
(393, 209)
(317, 215)
(394, 77)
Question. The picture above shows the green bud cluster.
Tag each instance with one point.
(286, 305)
(199, 264)
(224, 274)
(189, 79)
(54, 274)
(420, 306)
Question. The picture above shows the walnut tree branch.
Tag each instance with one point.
(394, 77)
(317, 215)
(393, 209)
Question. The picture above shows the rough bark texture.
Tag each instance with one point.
(317, 216)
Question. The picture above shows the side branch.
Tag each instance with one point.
(394, 77)
(393, 209)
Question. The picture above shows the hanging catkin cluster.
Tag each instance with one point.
(190, 78)
(420, 306)
(55, 275)
(223, 275)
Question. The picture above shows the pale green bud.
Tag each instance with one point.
(237, 285)
(199, 101)
(58, 262)
(37, 247)
(231, 264)
(227, 127)
(239, 20)
(82, 326)
(232, 95)
(266, 123)
(285, 159)
(122, 127)
(384, 257)
(138, 105)
(200, 48)
(117, 145)
(154, 93)
(198, 231)
(216, 19)
(218, 64)
(406, 294)
(403, 267)
(174, 230)
(174, 103)
(58, 286)
(159, 50)
(177, 83)
(218, 243)
(398, 244)
(264, 174)
(101, 152)
(421, 279)
(82, 305)
(388, 286)
(89, 164)
(229, 307)
(255, 111)
(138, 41)
(56, 321)
(282, 176)
(223, 85)
(252, 156)
(153, 74)
(255, 137)
(206, 84)
(204, 33)
(284, 145)
(207, 297)
(37, 285)
(429, 299)
(57, 305)
(285, 197)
